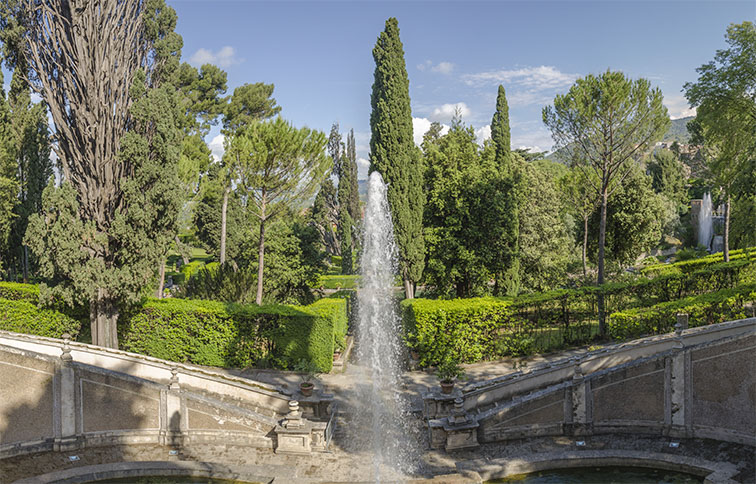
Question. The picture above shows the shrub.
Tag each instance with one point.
(338, 281)
(232, 335)
(22, 316)
(704, 309)
(462, 329)
(19, 292)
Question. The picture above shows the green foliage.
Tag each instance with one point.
(393, 153)
(449, 370)
(633, 220)
(276, 167)
(716, 307)
(293, 262)
(250, 103)
(191, 269)
(232, 335)
(15, 291)
(725, 102)
(544, 243)
(462, 329)
(508, 201)
(22, 316)
(338, 281)
(476, 329)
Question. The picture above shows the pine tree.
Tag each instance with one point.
(394, 155)
(507, 262)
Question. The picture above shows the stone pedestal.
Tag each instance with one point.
(297, 435)
(457, 431)
(438, 405)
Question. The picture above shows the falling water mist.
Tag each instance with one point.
(379, 335)
(705, 222)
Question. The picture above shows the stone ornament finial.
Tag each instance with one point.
(66, 355)
(293, 419)
(578, 371)
(173, 383)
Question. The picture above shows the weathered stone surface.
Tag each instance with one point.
(634, 393)
(115, 404)
(723, 381)
(26, 403)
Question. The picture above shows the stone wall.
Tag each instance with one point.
(53, 398)
(693, 383)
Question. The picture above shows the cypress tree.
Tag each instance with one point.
(353, 203)
(508, 278)
(394, 155)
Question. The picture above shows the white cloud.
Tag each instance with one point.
(225, 57)
(420, 126)
(483, 133)
(363, 166)
(536, 140)
(216, 147)
(678, 107)
(442, 67)
(447, 111)
(539, 78)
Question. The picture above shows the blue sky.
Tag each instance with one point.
(319, 54)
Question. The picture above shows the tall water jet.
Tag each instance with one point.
(705, 222)
(379, 351)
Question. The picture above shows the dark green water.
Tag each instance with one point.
(603, 475)
(168, 480)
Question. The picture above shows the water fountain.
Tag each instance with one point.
(379, 351)
(705, 223)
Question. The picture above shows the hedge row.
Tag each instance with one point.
(22, 316)
(696, 264)
(19, 292)
(482, 328)
(716, 307)
(202, 332)
(232, 335)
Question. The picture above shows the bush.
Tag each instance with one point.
(22, 316)
(462, 329)
(19, 292)
(190, 269)
(705, 309)
(232, 335)
(338, 281)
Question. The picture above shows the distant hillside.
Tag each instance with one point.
(678, 131)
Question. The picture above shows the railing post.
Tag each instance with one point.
(65, 437)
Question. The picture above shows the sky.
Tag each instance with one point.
(319, 54)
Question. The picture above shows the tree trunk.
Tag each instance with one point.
(260, 262)
(224, 208)
(178, 248)
(161, 284)
(585, 242)
(727, 229)
(26, 264)
(602, 242)
(103, 318)
(409, 289)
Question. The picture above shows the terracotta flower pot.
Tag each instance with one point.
(447, 387)
(306, 388)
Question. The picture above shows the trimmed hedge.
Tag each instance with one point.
(201, 332)
(22, 316)
(19, 292)
(462, 328)
(232, 335)
(696, 264)
(717, 307)
(334, 281)
(481, 328)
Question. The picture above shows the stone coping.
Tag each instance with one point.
(483, 470)
(54, 346)
(609, 356)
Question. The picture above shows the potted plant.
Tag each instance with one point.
(448, 371)
(308, 370)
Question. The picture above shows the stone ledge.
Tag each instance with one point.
(719, 472)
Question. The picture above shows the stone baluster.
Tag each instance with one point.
(66, 432)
